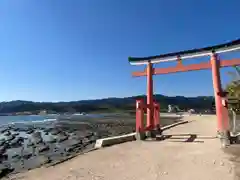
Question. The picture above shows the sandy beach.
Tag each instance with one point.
(28, 146)
(192, 151)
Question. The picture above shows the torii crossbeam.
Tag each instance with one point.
(214, 64)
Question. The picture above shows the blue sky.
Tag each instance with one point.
(59, 50)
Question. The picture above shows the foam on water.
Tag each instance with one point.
(13, 120)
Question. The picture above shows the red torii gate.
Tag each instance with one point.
(215, 64)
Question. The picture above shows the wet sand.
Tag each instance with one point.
(24, 147)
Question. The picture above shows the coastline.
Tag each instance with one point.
(27, 146)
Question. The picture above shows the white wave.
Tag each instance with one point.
(32, 122)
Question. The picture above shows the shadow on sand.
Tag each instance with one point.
(184, 138)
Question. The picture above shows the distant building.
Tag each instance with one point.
(173, 109)
(43, 112)
(170, 109)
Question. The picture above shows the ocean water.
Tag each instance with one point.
(6, 120)
(36, 119)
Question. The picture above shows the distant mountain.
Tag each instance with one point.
(104, 105)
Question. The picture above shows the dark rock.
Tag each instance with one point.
(27, 155)
(87, 141)
(16, 156)
(16, 129)
(10, 138)
(62, 138)
(4, 171)
(21, 139)
(3, 149)
(75, 143)
(2, 131)
(70, 149)
(46, 133)
(43, 148)
(93, 138)
(55, 132)
(8, 133)
(16, 142)
(74, 137)
(16, 134)
(73, 146)
(89, 134)
(3, 157)
(30, 131)
(44, 160)
(51, 140)
(2, 142)
(68, 154)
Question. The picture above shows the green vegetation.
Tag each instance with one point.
(233, 90)
(103, 105)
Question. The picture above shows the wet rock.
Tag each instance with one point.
(8, 133)
(51, 140)
(3, 149)
(89, 134)
(26, 155)
(21, 139)
(16, 142)
(30, 131)
(10, 138)
(93, 138)
(16, 156)
(3, 157)
(2, 131)
(4, 171)
(62, 138)
(16, 129)
(55, 132)
(44, 160)
(16, 134)
(73, 146)
(2, 142)
(70, 149)
(47, 130)
(87, 141)
(37, 137)
(43, 148)
(74, 137)
(76, 143)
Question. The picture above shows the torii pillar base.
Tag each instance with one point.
(140, 136)
(225, 138)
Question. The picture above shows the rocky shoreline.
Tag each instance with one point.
(27, 146)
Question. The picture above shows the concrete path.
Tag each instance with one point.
(199, 158)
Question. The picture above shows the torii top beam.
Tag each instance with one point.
(221, 48)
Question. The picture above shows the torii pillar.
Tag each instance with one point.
(150, 104)
(221, 105)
